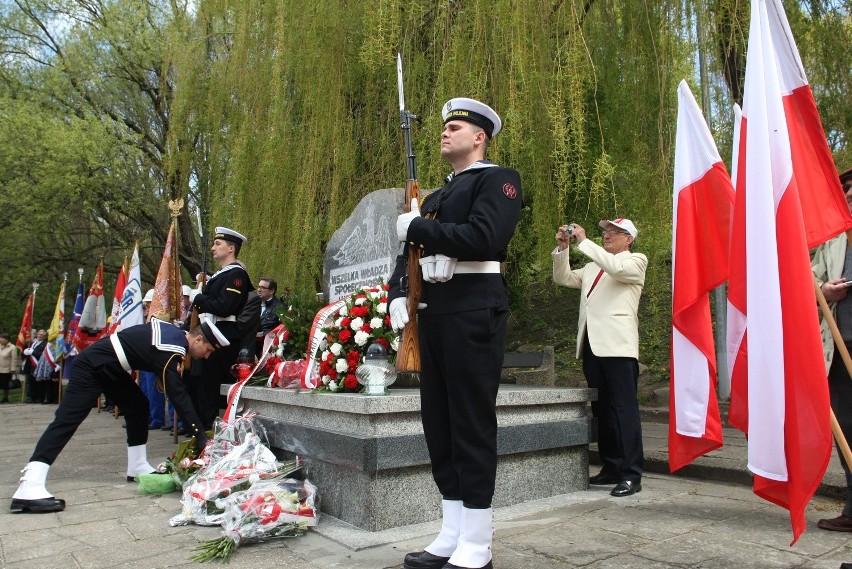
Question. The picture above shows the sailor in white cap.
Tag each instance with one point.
(608, 341)
(221, 300)
(464, 234)
(104, 367)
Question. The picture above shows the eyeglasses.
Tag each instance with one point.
(261, 287)
(611, 232)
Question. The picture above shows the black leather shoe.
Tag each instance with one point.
(626, 488)
(602, 479)
(424, 560)
(41, 505)
(488, 565)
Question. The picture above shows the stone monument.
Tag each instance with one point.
(364, 250)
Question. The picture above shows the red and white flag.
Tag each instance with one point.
(703, 200)
(788, 200)
(93, 319)
(120, 283)
(24, 332)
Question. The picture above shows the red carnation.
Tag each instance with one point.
(346, 322)
(383, 342)
(345, 336)
(366, 328)
(353, 355)
(351, 382)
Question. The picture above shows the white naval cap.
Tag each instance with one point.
(185, 290)
(230, 235)
(213, 335)
(472, 111)
(149, 296)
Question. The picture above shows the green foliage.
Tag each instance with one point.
(297, 314)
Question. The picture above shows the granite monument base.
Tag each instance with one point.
(368, 457)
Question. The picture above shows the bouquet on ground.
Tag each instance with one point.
(268, 509)
(362, 320)
(236, 459)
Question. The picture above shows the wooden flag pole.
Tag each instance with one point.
(840, 346)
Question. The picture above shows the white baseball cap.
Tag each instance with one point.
(621, 223)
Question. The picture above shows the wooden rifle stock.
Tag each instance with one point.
(408, 355)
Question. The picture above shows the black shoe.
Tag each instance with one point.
(488, 565)
(626, 488)
(166, 428)
(41, 505)
(133, 478)
(424, 560)
(603, 479)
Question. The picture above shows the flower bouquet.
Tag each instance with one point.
(268, 509)
(362, 320)
(233, 466)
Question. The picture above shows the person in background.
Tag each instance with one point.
(9, 364)
(104, 367)
(267, 290)
(832, 268)
(32, 354)
(463, 233)
(608, 342)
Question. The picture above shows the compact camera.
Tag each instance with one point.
(570, 230)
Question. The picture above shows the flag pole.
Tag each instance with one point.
(62, 338)
(840, 346)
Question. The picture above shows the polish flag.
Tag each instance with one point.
(788, 199)
(115, 313)
(703, 200)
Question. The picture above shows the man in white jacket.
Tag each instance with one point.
(608, 342)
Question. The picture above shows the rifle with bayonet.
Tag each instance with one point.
(408, 355)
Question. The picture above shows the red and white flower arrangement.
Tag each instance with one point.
(362, 320)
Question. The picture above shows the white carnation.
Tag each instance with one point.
(342, 365)
(360, 301)
(344, 310)
(336, 348)
(280, 352)
(332, 386)
(382, 308)
(324, 355)
(375, 295)
(356, 324)
(338, 322)
(325, 379)
(361, 338)
(376, 323)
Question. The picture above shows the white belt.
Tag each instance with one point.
(207, 317)
(476, 267)
(119, 352)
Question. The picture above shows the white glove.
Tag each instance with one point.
(437, 268)
(398, 311)
(427, 268)
(404, 220)
(28, 352)
(444, 267)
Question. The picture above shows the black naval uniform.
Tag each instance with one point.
(158, 347)
(462, 329)
(221, 299)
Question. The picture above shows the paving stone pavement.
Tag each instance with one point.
(675, 522)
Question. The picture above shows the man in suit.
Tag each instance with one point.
(35, 389)
(267, 290)
(608, 342)
(832, 267)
